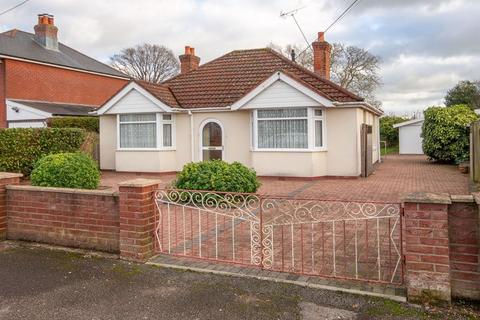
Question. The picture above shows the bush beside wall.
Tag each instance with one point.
(66, 170)
(90, 124)
(20, 148)
(446, 131)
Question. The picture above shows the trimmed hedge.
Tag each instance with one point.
(446, 131)
(20, 148)
(217, 175)
(66, 170)
(88, 123)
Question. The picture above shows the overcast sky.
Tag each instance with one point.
(426, 46)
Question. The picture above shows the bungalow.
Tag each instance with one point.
(252, 106)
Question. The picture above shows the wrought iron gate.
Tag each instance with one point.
(339, 239)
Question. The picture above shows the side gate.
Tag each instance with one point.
(337, 239)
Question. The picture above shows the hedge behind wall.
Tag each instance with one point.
(20, 148)
(88, 123)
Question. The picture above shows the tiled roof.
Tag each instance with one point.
(161, 92)
(20, 44)
(223, 81)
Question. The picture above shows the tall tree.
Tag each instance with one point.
(149, 62)
(465, 92)
(354, 68)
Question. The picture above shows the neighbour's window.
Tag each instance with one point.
(318, 126)
(138, 130)
(282, 128)
(144, 131)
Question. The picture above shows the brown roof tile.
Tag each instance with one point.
(223, 81)
(161, 92)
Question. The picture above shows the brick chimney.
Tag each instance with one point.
(46, 32)
(189, 61)
(321, 56)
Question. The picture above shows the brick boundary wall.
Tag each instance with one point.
(5, 179)
(87, 219)
(441, 247)
(463, 230)
(119, 222)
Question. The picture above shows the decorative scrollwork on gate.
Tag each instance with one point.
(237, 205)
(293, 211)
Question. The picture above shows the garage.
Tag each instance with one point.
(409, 135)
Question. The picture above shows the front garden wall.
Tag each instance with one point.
(66, 217)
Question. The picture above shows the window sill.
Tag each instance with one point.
(290, 150)
(145, 149)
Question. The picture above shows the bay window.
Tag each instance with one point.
(145, 131)
(288, 129)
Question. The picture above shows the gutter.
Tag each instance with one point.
(63, 67)
(227, 108)
(363, 104)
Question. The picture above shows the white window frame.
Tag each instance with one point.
(311, 118)
(159, 134)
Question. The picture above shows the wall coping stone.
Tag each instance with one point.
(426, 197)
(96, 192)
(9, 175)
(476, 197)
(140, 182)
(462, 198)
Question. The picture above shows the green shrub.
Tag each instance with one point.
(20, 148)
(217, 175)
(445, 133)
(66, 170)
(90, 124)
(387, 132)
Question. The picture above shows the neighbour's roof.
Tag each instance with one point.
(407, 123)
(21, 44)
(58, 109)
(223, 81)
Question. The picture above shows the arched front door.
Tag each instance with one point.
(212, 141)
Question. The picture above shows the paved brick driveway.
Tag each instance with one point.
(396, 176)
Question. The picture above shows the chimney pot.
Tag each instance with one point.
(46, 32)
(321, 56)
(189, 61)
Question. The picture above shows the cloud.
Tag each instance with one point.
(426, 46)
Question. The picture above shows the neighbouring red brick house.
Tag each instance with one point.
(41, 77)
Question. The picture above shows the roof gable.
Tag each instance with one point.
(133, 98)
(280, 91)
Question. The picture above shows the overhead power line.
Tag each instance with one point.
(344, 13)
(14, 7)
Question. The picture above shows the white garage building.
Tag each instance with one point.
(409, 135)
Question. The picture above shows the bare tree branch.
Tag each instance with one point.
(149, 62)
